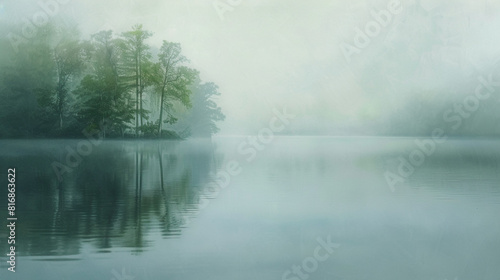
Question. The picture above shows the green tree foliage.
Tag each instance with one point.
(69, 59)
(103, 93)
(22, 73)
(203, 117)
(57, 84)
(136, 55)
(173, 81)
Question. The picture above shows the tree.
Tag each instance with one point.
(204, 113)
(56, 85)
(69, 56)
(175, 80)
(21, 75)
(103, 93)
(136, 53)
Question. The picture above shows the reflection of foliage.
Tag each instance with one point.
(104, 202)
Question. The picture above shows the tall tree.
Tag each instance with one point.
(137, 54)
(22, 73)
(204, 113)
(56, 84)
(102, 93)
(175, 80)
(69, 57)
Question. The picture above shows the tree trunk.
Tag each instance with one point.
(140, 106)
(140, 88)
(161, 100)
(136, 96)
(103, 128)
(60, 104)
(161, 111)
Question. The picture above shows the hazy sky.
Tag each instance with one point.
(266, 54)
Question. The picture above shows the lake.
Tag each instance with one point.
(294, 208)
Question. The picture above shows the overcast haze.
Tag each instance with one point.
(133, 163)
(276, 54)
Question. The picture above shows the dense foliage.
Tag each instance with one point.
(58, 85)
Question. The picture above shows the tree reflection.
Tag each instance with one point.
(119, 196)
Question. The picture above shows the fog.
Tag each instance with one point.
(236, 139)
(419, 62)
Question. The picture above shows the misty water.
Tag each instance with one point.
(148, 210)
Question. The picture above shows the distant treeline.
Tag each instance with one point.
(57, 85)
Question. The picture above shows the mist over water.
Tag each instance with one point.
(423, 59)
(133, 202)
(250, 139)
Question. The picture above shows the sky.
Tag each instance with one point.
(309, 56)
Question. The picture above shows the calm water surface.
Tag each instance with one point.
(148, 210)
